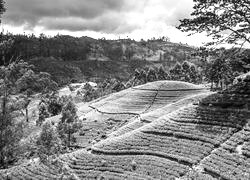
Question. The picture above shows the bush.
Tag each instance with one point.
(51, 105)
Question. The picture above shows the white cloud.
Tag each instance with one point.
(98, 18)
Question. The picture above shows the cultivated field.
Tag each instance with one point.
(161, 130)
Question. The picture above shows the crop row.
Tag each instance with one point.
(191, 115)
(227, 165)
(192, 150)
(246, 149)
(240, 138)
(205, 133)
(88, 166)
(134, 123)
(140, 164)
(178, 85)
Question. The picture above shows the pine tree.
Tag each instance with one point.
(69, 124)
(186, 71)
(151, 75)
(48, 142)
(43, 113)
(10, 130)
(176, 71)
(2, 8)
(194, 74)
(162, 74)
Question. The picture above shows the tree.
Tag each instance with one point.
(48, 142)
(219, 72)
(162, 74)
(186, 71)
(10, 130)
(69, 123)
(194, 74)
(118, 86)
(43, 113)
(224, 21)
(176, 71)
(54, 103)
(51, 105)
(31, 82)
(2, 8)
(151, 75)
(90, 93)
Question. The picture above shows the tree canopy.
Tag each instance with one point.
(224, 21)
(2, 8)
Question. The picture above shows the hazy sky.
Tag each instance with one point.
(100, 18)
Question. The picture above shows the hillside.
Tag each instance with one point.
(67, 57)
(160, 130)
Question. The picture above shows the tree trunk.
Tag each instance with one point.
(27, 114)
(2, 164)
(69, 139)
(212, 85)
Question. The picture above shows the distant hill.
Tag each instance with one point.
(67, 57)
(151, 50)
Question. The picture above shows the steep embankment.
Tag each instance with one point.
(167, 135)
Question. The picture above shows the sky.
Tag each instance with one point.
(112, 19)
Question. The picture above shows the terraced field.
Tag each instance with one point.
(155, 131)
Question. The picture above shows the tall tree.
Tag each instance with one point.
(69, 124)
(48, 142)
(162, 74)
(224, 21)
(151, 75)
(32, 82)
(2, 8)
(176, 71)
(10, 131)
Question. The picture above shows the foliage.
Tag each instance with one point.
(151, 75)
(118, 86)
(162, 74)
(220, 71)
(10, 130)
(10, 134)
(61, 72)
(48, 142)
(40, 82)
(176, 72)
(2, 8)
(221, 66)
(89, 93)
(224, 21)
(51, 105)
(182, 72)
(69, 124)
(43, 113)
(61, 46)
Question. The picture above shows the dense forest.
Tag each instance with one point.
(69, 58)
